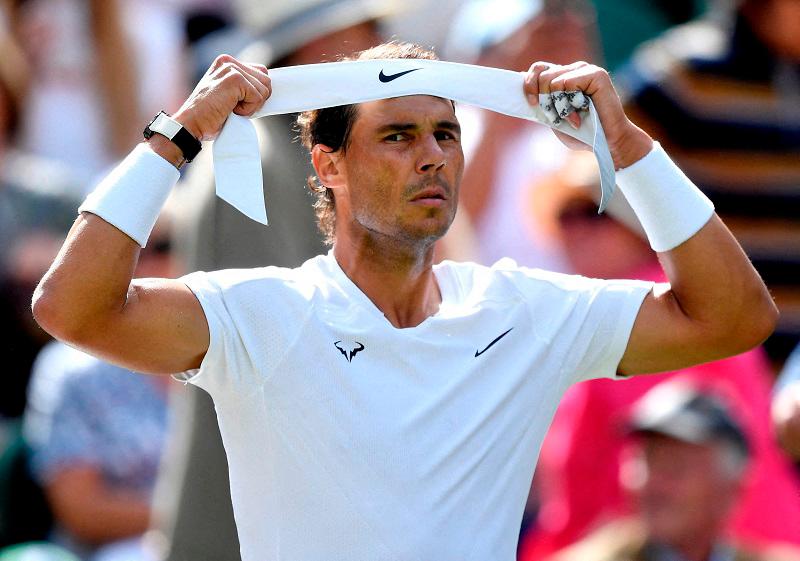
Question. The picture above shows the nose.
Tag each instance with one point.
(431, 157)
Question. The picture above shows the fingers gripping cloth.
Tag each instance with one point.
(558, 105)
(237, 164)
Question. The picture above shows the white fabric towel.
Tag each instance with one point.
(237, 164)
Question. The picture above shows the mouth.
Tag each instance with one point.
(430, 195)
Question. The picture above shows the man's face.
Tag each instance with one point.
(683, 493)
(400, 171)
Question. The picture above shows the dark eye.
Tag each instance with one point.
(445, 135)
(395, 137)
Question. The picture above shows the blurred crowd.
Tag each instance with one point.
(98, 464)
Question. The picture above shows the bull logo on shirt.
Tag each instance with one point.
(351, 353)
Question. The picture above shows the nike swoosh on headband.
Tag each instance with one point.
(237, 162)
(388, 78)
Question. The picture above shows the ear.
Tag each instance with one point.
(327, 164)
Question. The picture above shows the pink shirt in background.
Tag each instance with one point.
(577, 475)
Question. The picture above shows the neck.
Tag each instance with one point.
(399, 281)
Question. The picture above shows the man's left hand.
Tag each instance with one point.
(626, 142)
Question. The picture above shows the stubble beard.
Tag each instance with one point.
(427, 236)
(401, 232)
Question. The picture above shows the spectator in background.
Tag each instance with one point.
(576, 487)
(786, 407)
(196, 504)
(98, 68)
(505, 154)
(685, 475)
(36, 210)
(96, 432)
(723, 95)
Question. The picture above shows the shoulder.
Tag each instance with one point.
(262, 292)
(260, 279)
(506, 279)
(507, 269)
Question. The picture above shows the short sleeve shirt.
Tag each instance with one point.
(348, 438)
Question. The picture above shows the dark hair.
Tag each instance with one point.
(331, 126)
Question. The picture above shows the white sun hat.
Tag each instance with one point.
(281, 27)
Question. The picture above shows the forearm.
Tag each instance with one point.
(715, 304)
(90, 278)
(710, 277)
(87, 298)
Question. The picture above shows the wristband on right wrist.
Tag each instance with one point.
(130, 198)
(166, 126)
(669, 206)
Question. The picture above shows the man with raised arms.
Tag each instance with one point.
(373, 405)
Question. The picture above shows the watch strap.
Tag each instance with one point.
(165, 125)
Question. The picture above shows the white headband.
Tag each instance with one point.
(237, 163)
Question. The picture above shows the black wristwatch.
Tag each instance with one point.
(165, 125)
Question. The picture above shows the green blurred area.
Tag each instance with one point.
(624, 24)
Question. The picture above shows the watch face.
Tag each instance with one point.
(164, 125)
(148, 132)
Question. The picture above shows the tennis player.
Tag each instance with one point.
(374, 405)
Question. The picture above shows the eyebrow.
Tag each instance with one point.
(400, 127)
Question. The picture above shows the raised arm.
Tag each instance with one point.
(715, 304)
(88, 298)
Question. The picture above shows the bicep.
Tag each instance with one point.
(664, 338)
(161, 329)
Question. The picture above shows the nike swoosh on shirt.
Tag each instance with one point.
(389, 77)
(479, 353)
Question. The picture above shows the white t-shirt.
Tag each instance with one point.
(350, 439)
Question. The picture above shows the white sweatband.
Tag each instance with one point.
(131, 196)
(669, 206)
(237, 163)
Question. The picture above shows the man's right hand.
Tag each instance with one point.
(229, 85)
(88, 297)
